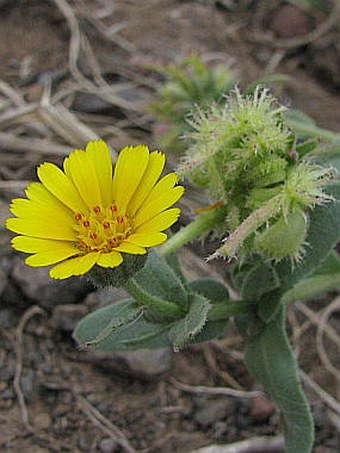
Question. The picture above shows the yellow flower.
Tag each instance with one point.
(86, 215)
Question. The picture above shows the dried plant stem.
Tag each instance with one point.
(222, 391)
(32, 311)
(326, 397)
(104, 424)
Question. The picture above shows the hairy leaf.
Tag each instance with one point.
(270, 360)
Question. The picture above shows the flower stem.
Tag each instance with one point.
(202, 224)
(152, 303)
(226, 310)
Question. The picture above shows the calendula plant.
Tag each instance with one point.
(273, 204)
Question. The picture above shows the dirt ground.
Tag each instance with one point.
(71, 70)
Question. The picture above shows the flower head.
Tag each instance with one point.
(89, 214)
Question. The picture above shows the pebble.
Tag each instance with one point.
(144, 364)
(108, 445)
(212, 411)
(36, 284)
(261, 409)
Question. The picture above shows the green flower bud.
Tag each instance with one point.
(283, 238)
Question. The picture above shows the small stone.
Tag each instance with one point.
(261, 409)
(108, 445)
(42, 421)
(212, 411)
(36, 284)
(145, 364)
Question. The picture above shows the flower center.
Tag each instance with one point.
(102, 229)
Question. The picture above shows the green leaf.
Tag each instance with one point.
(331, 265)
(186, 329)
(261, 279)
(324, 279)
(323, 235)
(217, 294)
(159, 279)
(213, 290)
(269, 305)
(270, 360)
(173, 261)
(312, 287)
(329, 157)
(128, 336)
(305, 127)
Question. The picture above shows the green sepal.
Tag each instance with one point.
(270, 360)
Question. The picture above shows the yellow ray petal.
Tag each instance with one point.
(160, 222)
(162, 196)
(41, 229)
(29, 244)
(100, 156)
(132, 249)
(151, 175)
(74, 266)
(60, 186)
(28, 209)
(79, 168)
(147, 240)
(130, 167)
(112, 259)
(51, 256)
(38, 194)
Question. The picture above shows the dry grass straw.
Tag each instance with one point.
(48, 127)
